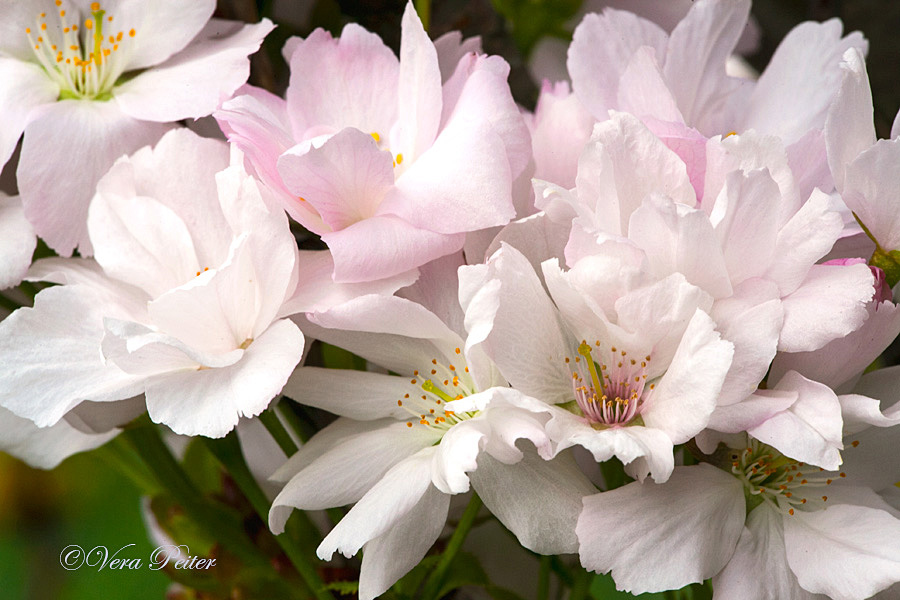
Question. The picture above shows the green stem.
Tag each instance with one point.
(543, 591)
(281, 436)
(423, 7)
(581, 586)
(147, 442)
(121, 456)
(228, 451)
(436, 580)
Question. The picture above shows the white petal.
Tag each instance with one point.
(868, 187)
(696, 54)
(753, 325)
(17, 242)
(163, 29)
(538, 500)
(418, 89)
(23, 86)
(686, 395)
(810, 430)
(678, 239)
(209, 402)
(345, 464)
(44, 448)
(847, 552)
(389, 501)
(67, 148)
(142, 242)
(642, 449)
(531, 358)
(194, 82)
(789, 103)
(624, 163)
(840, 362)
(51, 355)
(849, 127)
(656, 537)
(803, 240)
(742, 217)
(319, 292)
(829, 304)
(758, 568)
(355, 394)
(601, 48)
(394, 553)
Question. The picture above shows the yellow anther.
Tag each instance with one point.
(89, 23)
(399, 158)
(375, 136)
(95, 6)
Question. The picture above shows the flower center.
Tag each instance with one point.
(432, 389)
(84, 61)
(612, 394)
(769, 476)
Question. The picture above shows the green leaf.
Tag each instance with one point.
(202, 467)
(344, 588)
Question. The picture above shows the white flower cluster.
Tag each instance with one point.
(665, 265)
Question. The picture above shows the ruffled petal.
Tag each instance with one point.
(686, 395)
(810, 430)
(210, 401)
(696, 54)
(385, 246)
(758, 568)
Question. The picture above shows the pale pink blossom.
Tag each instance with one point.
(390, 161)
(87, 83)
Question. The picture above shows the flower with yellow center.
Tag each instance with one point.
(87, 83)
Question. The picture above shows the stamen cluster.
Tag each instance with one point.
(430, 395)
(769, 476)
(83, 61)
(613, 394)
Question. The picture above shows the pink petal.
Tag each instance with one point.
(355, 79)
